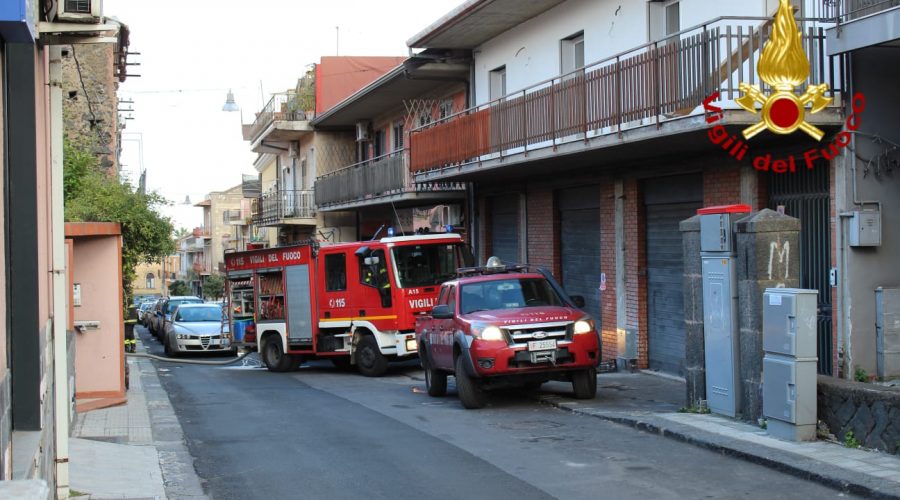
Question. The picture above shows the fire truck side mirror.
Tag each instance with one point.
(371, 261)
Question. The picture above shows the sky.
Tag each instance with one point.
(193, 51)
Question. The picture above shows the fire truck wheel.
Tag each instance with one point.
(470, 391)
(435, 382)
(369, 359)
(584, 383)
(275, 358)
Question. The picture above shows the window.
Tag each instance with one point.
(151, 281)
(497, 83)
(451, 298)
(379, 142)
(425, 265)
(507, 294)
(665, 19)
(376, 275)
(446, 108)
(335, 272)
(571, 53)
(397, 136)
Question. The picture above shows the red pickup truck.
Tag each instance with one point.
(502, 326)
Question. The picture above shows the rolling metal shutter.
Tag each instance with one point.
(669, 201)
(579, 211)
(505, 228)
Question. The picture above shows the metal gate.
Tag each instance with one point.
(505, 217)
(579, 213)
(805, 195)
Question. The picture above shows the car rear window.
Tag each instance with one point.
(173, 304)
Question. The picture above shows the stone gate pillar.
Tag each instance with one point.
(694, 358)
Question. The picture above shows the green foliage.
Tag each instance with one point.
(694, 409)
(860, 374)
(92, 195)
(850, 440)
(179, 287)
(214, 287)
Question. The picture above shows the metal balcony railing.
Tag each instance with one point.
(274, 207)
(284, 106)
(382, 176)
(847, 10)
(647, 85)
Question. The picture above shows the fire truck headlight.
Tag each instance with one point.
(411, 345)
(584, 325)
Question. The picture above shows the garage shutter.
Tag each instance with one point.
(505, 228)
(580, 244)
(668, 201)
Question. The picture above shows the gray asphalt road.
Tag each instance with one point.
(323, 433)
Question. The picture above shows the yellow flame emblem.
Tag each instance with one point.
(784, 65)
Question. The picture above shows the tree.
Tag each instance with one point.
(179, 287)
(214, 287)
(92, 195)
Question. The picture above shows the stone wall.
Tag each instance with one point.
(871, 411)
(90, 102)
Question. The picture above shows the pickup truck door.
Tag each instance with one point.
(442, 343)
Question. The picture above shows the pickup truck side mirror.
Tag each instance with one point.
(578, 300)
(441, 311)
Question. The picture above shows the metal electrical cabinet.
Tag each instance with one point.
(720, 319)
(789, 364)
(887, 332)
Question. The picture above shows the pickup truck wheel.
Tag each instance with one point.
(435, 382)
(274, 357)
(470, 392)
(369, 359)
(584, 383)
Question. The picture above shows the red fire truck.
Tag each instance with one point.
(353, 303)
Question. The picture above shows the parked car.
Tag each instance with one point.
(153, 314)
(164, 309)
(196, 327)
(503, 326)
(144, 310)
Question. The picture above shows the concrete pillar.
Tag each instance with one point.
(694, 353)
(768, 256)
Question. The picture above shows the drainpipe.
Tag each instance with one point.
(60, 297)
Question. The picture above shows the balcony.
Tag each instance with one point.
(385, 179)
(862, 23)
(284, 207)
(641, 104)
(285, 118)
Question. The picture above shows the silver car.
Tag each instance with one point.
(196, 328)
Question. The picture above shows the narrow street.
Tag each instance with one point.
(323, 433)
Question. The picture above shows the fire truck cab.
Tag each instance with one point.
(354, 303)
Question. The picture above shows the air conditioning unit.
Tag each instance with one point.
(79, 11)
(293, 150)
(362, 131)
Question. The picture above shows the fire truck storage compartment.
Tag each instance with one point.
(579, 214)
(505, 215)
(668, 201)
(299, 307)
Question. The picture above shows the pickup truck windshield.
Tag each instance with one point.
(507, 294)
(426, 265)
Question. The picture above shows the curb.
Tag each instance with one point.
(796, 465)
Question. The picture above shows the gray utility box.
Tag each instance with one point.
(865, 228)
(720, 321)
(789, 364)
(887, 332)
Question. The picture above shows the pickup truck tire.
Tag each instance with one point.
(369, 359)
(274, 357)
(584, 383)
(471, 395)
(435, 382)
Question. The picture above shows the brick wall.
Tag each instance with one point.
(635, 268)
(542, 228)
(608, 329)
(721, 185)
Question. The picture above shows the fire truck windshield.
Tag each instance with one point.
(426, 265)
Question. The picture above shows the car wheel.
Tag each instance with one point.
(435, 382)
(584, 383)
(369, 359)
(471, 394)
(341, 362)
(170, 349)
(275, 358)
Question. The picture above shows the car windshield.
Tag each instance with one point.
(173, 304)
(197, 314)
(507, 294)
(426, 265)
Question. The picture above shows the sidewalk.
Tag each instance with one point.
(650, 403)
(135, 450)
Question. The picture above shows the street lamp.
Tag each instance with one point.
(230, 105)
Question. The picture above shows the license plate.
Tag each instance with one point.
(542, 345)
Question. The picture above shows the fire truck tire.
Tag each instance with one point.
(471, 394)
(584, 383)
(274, 357)
(369, 359)
(435, 382)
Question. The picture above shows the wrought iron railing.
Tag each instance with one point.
(285, 106)
(847, 10)
(647, 85)
(372, 179)
(276, 206)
